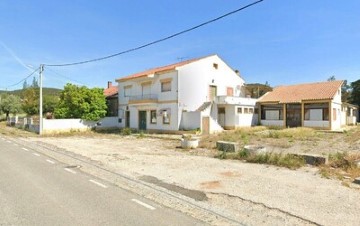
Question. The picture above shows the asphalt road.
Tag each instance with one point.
(38, 190)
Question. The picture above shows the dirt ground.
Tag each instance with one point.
(255, 194)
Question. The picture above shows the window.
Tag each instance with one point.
(334, 114)
(153, 117)
(166, 117)
(251, 110)
(215, 65)
(127, 90)
(256, 111)
(316, 112)
(246, 110)
(272, 112)
(239, 110)
(166, 86)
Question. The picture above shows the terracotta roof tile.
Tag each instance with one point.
(159, 69)
(112, 90)
(301, 92)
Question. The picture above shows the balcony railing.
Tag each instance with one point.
(235, 100)
(146, 98)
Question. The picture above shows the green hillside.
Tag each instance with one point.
(46, 92)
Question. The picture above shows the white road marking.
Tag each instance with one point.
(25, 149)
(70, 170)
(36, 154)
(49, 161)
(98, 183)
(143, 204)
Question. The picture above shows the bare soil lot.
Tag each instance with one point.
(255, 194)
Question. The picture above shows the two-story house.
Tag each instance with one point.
(203, 93)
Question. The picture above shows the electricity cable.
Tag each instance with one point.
(156, 41)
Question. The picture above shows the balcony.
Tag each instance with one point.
(235, 100)
(142, 99)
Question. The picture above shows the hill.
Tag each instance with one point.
(46, 92)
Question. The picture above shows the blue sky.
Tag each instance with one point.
(282, 42)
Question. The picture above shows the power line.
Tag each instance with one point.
(157, 41)
(70, 79)
(22, 79)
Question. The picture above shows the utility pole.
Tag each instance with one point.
(41, 100)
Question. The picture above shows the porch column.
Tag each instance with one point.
(302, 114)
(330, 115)
(284, 115)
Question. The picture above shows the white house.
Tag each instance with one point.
(203, 93)
(316, 105)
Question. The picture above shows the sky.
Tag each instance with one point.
(276, 41)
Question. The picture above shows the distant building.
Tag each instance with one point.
(316, 105)
(111, 94)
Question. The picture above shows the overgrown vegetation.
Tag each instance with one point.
(278, 159)
(341, 165)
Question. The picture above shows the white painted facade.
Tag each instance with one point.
(192, 85)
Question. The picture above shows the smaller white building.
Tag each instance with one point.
(203, 93)
(316, 105)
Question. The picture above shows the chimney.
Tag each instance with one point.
(109, 84)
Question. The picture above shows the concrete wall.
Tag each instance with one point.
(190, 120)
(67, 125)
(317, 124)
(279, 123)
(195, 79)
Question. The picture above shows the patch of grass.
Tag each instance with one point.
(341, 164)
(284, 160)
(126, 131)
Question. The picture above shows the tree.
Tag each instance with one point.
(331, 78)
(25, 85)
(81, 102)
(30, 103)
(50, 103)
(345, 92)
(355, 94)
(35, 83)
(10, 104)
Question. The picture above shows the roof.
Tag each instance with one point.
(159, 69)
(302, 92)
(110, 91)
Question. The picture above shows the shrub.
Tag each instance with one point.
(126, 131)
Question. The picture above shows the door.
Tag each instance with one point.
(221, 116)
(127, 119)
(142, 120)
(212, 93)
(205, 125)
(293, 115)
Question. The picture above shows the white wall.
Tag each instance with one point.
(66, 125)
(317, 124)
(195, 79)
(108, 122)
(279, 123)
(190, 120)
(336, 124)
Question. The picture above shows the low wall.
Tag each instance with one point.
(190, 120)
(68, 125)
(317, 124)
(279, 123)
